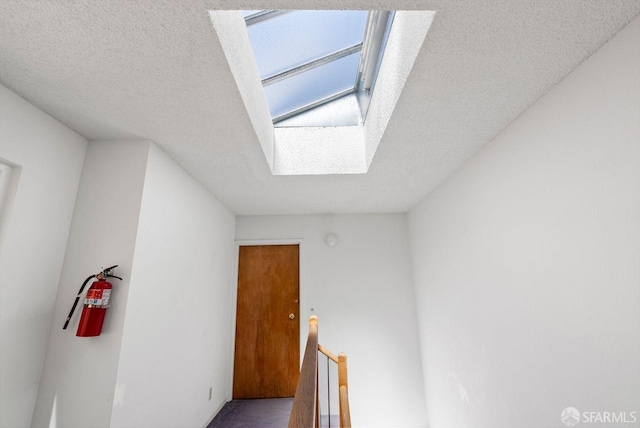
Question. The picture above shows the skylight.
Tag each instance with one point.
(314, 142)
(318, 67)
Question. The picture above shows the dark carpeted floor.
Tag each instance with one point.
(264, 413)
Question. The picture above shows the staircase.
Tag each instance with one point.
(305, 412)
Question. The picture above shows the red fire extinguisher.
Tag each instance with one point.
(96, 303)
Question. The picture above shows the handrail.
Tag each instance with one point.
(305, 409)
(343, 392)
(326, 352)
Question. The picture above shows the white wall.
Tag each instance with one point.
(177, 327)
(50, 156)
(78, 379)
(362, 292)
(526, 261)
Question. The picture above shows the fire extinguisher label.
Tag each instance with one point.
(98, 297)
(106, 294)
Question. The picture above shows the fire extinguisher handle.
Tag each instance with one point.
(108, 270)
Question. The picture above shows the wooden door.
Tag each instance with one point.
(267, 351)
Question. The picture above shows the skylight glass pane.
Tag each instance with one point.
(301, 36)
(312, 85)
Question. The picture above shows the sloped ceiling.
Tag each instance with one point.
(155, 69)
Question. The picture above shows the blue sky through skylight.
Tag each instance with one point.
(299, 37)
(315, 84)
(309, 58)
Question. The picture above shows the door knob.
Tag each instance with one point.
(292, 316)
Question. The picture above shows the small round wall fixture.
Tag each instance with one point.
(331, 239)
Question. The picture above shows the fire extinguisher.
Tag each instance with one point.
(96, 303)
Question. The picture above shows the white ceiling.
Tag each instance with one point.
(154, 69)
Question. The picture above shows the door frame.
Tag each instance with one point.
(234, 299)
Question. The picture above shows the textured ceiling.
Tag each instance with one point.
(155, 69)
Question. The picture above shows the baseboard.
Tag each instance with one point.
(225, 401)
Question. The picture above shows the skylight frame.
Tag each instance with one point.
(318, 62)
(263, 15)
(377, 27)
(310, 106)
(376, 36)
